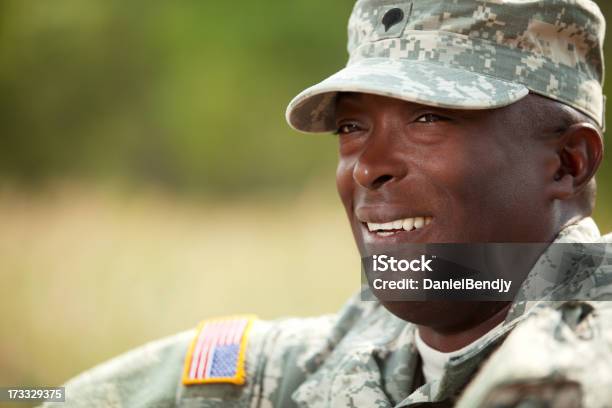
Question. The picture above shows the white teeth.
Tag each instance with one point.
(419, 222)
(385, 229)
(408, 224)
(384, 226)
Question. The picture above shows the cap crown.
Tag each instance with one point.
(553, 47)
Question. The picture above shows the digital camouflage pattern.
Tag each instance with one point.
(549, 353)
(465, 54)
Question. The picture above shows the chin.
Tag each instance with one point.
(444, 315)
(421, 313)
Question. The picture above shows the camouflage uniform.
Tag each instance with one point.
(458, 54)
(546, 352)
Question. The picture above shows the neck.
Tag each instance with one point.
(452, 340)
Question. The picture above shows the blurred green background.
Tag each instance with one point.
(143, 150)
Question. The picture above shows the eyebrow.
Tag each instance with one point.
(347, 96)
(349, 100)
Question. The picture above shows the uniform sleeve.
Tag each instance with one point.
(279, 356)
(144, 377)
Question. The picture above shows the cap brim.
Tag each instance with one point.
(425, 83)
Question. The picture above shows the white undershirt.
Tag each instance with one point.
(434, 361)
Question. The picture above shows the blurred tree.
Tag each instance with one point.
(188, 95)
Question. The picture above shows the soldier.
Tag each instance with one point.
(458, 121)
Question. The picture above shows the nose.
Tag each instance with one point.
(379, 163)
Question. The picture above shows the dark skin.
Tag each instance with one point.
(514, 174)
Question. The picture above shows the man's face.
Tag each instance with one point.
(439, 175)
(433, 175)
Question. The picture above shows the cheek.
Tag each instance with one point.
(344, 181)
(451, 170)
(346, 188)
(470, 181)
(500, 188)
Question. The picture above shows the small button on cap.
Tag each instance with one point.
(392, 17)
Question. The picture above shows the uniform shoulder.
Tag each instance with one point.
(225, 362)
(228, 367)
(157, 374)
(280, 355)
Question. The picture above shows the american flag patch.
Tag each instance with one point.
(217, 352)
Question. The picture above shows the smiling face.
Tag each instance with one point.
(409, 173)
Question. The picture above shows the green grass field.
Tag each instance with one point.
(89, 274)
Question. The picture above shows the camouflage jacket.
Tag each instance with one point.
(547, 353)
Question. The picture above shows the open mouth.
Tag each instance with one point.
(390, 228)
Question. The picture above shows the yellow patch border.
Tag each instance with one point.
(240, 377)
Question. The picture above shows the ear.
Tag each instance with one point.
(579, 151)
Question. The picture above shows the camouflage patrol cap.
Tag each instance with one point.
(465, 54)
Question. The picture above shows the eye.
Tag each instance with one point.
(346, 129)
(430, 118)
